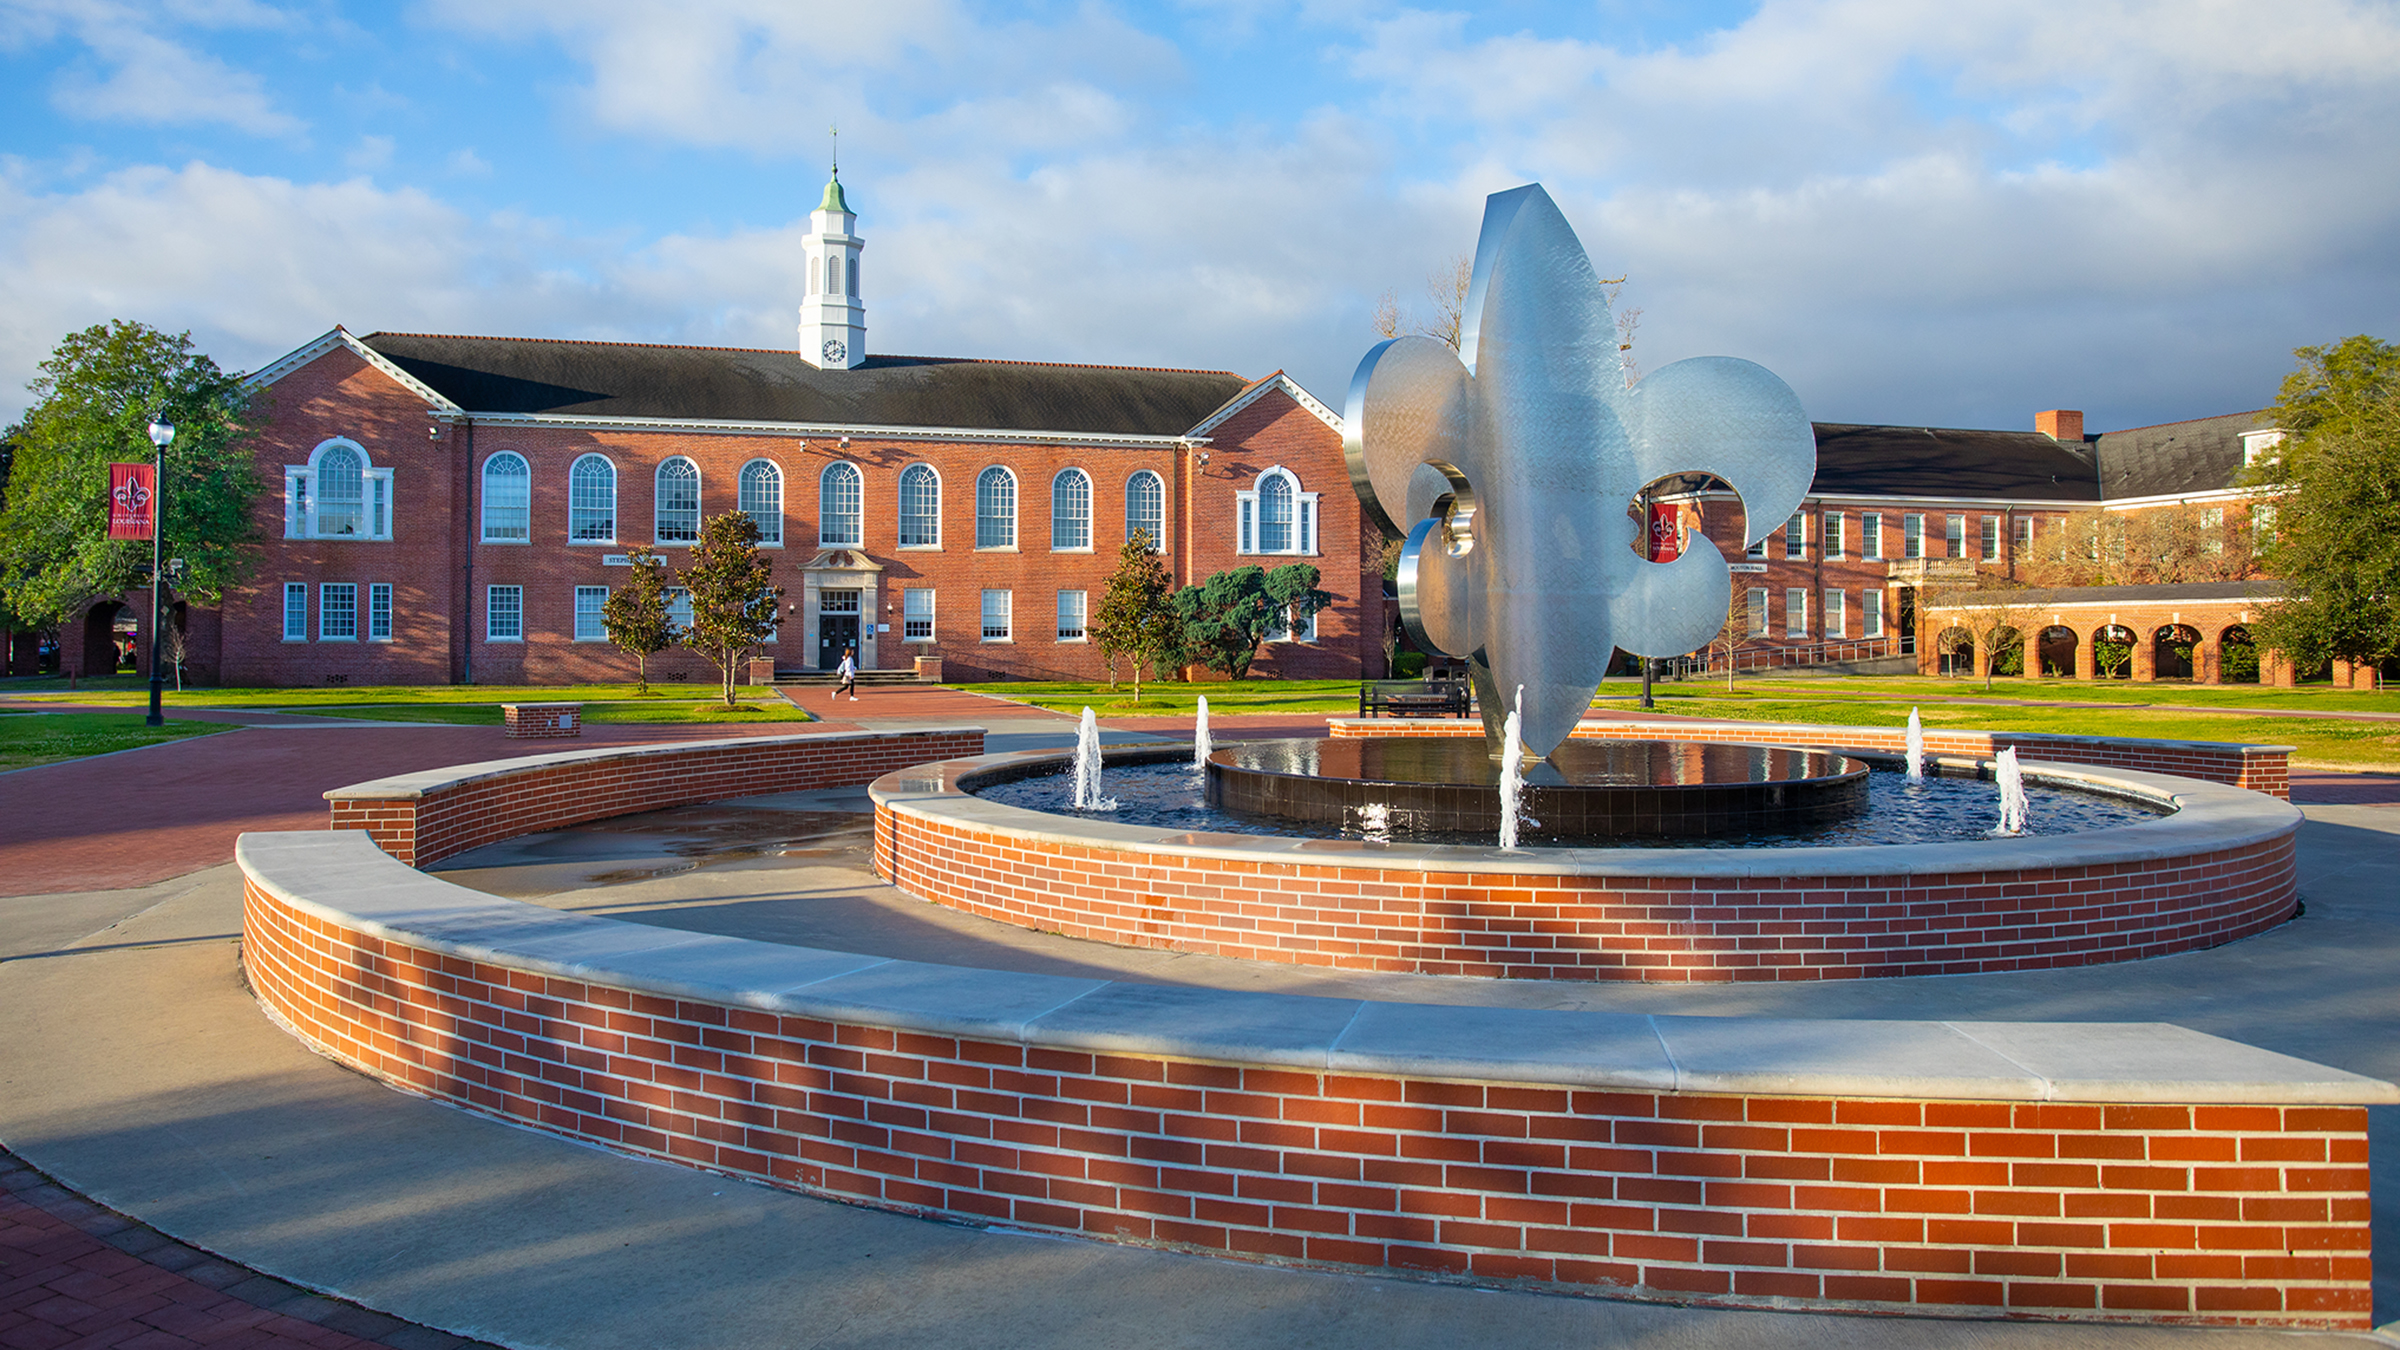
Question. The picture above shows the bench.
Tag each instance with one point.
(1413, 698)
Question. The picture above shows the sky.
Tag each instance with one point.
(1954, 212)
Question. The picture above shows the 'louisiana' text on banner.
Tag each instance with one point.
(132, 501)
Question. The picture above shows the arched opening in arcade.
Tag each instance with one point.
(1955, 649)
(2054, 648)
(103, 647)
(2237, 656)
(2008, 652)
(2173, 651)
(2112, 652)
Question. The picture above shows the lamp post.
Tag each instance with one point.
(160, 434)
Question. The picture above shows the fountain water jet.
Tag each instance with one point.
(1201, 746)
(1512, 775)
(1916, 748)
(2013, 805)
(1087, 767)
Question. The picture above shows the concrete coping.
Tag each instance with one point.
(518, 706)
(2206, 818)
(342, 878)
(1826, 736)
(427, 782)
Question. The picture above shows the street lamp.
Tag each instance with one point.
(160, 434)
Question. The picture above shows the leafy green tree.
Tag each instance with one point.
(635, 614)
(733, 595)
(93, 403)
(1227, 616)
(2335, 488)
(1137, 617)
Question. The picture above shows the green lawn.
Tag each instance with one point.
(42, 738)
(2324, 698)
(467, 705)
(1232, 696)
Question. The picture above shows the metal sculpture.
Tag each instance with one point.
(1515, 463)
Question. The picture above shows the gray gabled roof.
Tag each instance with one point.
(1949, 462)
(719, 384)
(2203, 455)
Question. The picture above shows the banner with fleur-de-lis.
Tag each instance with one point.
(132, 501)
(1516, 465)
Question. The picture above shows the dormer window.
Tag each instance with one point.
(2258, 445)
(338, 494)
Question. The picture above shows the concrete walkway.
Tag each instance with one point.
(136, 1070)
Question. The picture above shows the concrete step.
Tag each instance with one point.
(828, 678)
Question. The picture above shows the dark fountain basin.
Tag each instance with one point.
(1586, 790)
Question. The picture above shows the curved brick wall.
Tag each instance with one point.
(2221, 868)
(1984, 1169)
(422, 818)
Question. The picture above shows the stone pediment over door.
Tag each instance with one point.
(843, 560)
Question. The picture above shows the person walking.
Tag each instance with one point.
(848, 671)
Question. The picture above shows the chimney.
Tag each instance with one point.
(2060, 424)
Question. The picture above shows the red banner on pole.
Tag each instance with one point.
(132, 501)
(1666, 535)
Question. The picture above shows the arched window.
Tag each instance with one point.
(1146, 508)
(761, 498)
(995, 508)
(507, 500)
(592, 501)
(853, 268)
(920, 507)
(338, 494)
(678, 505)
(1071, 510)
(839, 516)
(1276, 516)
(833, 276)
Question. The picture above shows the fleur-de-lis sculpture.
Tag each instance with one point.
(1514, 463)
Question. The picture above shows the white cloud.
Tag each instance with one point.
(144, 75)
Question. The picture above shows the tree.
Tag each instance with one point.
(1992, 618)
(1733, 634)
(635, 614)
(1225, 617)
(733, 595)
(2335, 489)
(93, 403)
(1137, 615)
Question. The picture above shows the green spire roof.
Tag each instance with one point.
(834, 200)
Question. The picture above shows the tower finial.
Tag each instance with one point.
(836, 129)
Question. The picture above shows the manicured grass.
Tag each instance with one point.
(464, 705)
(2319, 698)
(44, 738)
(1168, 699)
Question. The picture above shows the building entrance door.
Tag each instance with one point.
(1908, 621)
(837, 627)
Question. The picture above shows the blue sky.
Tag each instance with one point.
(1954, 213)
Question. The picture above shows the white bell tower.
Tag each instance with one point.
(833, 322)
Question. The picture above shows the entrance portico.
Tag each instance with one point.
(841, 592)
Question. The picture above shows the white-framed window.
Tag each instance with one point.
(1795, 613)
(1070, 616)
(758, 491)
(679, 608)
(1870, 535)
(338, 494)
(1754, 612)
(916, 614)
(1795, 537)
(2256, 445)
(2024, 535)
(1837, 615)
(504, 614)
(295, 611)
(1991, 538)
(675, 510)
(1276, 516)
(920, 507)
(1830, 531)
(507, 499)
(337, 611)
(1146, 508)
(996, 616)
(1912, 536)
(1756, 550)
(1282, 629)
(1954, 536)
(1870, 614)
(2212, 529)
(1071, 512)
(379, 612)
(592, 501)
(841, 506)
(591, 614)
(996, 508)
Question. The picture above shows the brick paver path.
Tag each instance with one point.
(75, 1276)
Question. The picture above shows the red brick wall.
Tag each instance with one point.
(422, 830)
(1659, 928)
(2253, 1215)
(2260, 768)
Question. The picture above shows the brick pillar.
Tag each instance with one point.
(2275, 668)
(2207, 656)
(2087, 665)
(2341, 673)
(2145, 656)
